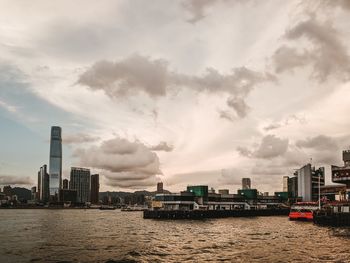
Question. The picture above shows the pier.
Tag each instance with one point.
(201, 214)
(332, 219)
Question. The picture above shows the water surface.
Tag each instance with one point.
(115, 236)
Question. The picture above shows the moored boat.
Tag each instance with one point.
(303, 211)
(104, 207)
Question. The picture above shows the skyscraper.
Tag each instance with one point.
(160, 187)
(246, 184)
(65, 184)
(55, 161)
(95, 188)
(43, 184)
(80, 181)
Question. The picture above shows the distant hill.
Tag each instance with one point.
(22, 193)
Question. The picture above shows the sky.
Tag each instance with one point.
(185, 92)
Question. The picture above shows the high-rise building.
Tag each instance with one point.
(43, 184)
(95, 188)
(160, 187)
(293, 187)
(55, 162)
(285, 183)
(39, 186)
(246, 183)
(34, 193)
(308, 180)
(80, 181)
(65, 183)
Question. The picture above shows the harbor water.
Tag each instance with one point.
(114, 236)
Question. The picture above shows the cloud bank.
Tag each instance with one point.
(271, 146)
(15, 180)
(140, 74)
(162, 146)
(326, 53)
(78, 138)
(123, 163)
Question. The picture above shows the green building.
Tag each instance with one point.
(248, 193)
(282, 195)
(200, 192)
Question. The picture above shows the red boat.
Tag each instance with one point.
(303, 211)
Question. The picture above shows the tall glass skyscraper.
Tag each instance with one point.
(55, 169)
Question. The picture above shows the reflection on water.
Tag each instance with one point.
(114, 236)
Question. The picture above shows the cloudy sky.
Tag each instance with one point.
(187, 91)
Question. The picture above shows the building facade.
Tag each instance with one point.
(95, 188)
(65, 184)
(308, 180)
(43, 184)
(246, 183)
(285, 183)
(80, 181)
(341, 174)
(293, 186)
(200, 193)
(160, 187)
(55, 162)
(68, 195)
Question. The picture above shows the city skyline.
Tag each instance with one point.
(165, 92)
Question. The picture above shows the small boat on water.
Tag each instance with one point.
(134, 209)
(303, 211)
(107, 207)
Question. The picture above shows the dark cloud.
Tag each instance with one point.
(15, 180)
(327, 55)
(129, 76)
(343, 4)
(272, 126)
(322, 149)
(287, 58)
(320, 142)
(140, 74)
(225, 114)
(131, 183)
(122, 161)
(270, 147)
(239, 105)
(79, 138)
(162, 146)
